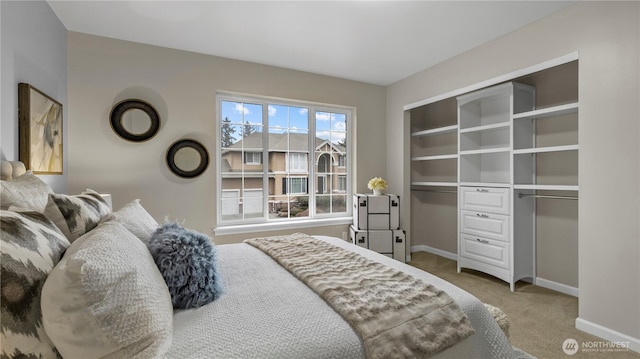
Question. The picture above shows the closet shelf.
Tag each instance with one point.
(434, 158)
(485, 184)
(435, 184)
(485, 127)
(485, 150)
(548, 112)
(546, 149)
(546, 187)
(435, 131)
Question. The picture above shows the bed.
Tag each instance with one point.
(264, 311)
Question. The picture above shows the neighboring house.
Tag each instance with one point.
(288, 172)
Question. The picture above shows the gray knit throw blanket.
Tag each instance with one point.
(396, 315)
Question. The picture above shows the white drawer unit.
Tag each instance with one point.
(376, 212)
(486, 208)
(489, 225)
(494, 253)
(485, 199)
(387, 242)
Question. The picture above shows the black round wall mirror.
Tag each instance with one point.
(134, 120)
(187, 158)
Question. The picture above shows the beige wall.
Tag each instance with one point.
(607, 37)
(182, 86)
(39, 60)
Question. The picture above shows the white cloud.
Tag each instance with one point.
(240, 108)
(272, 111)
(323, 116)
(340, 126)
(304, 111)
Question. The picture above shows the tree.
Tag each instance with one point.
(227, 133)
(343, 142)
(248, 129)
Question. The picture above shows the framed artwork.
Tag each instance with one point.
(40, 127)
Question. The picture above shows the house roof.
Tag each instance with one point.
(282, 142)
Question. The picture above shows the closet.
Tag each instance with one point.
(494, 177)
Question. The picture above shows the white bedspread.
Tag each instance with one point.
(265, 312)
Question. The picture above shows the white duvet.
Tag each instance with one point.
(266, 312)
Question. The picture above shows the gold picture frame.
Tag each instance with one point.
(40, 128)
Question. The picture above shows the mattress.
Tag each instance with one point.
(265, 312)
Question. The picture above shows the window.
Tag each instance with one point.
(253, 158)
(295, 185)
(281, 160)
(298, 162)
(342, 183)
(342, 161)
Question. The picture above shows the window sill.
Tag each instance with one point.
(274, 226)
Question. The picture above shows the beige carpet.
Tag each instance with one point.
(541, 319)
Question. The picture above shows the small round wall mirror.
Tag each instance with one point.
(134, 120)
(187, 158)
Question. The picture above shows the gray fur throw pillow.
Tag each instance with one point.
(187, 262)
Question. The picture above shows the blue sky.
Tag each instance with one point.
(283, 118)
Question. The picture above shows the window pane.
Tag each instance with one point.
(338, 122)
(229, 112)
(323, 123)
(252, 204)
(288, 118)
(230, 135)
(300, 206)
(339, 203)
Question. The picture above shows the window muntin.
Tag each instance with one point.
(268, 155)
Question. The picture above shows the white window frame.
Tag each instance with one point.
(247, 225)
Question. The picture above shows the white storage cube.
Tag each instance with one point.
(387, 242)
(376, 212)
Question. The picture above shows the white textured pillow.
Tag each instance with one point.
(106, 297)
(27, 191)
(136, 219)
(76, 215)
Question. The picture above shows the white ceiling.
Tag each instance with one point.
(378, 42)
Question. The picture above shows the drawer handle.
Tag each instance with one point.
(482, 215)
(482, 190)
(482, 241)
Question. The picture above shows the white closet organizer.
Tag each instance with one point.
(503, 160)
(499, 149)
(486, 218)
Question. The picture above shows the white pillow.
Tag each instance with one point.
(136, 219)
(27, 191)
(106, 297)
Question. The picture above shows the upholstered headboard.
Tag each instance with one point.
(11, 169)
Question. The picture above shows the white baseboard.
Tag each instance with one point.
(558, 287)
(608, 334)
(440, 252)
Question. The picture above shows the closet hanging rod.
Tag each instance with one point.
(433, 190)
(523, 195)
